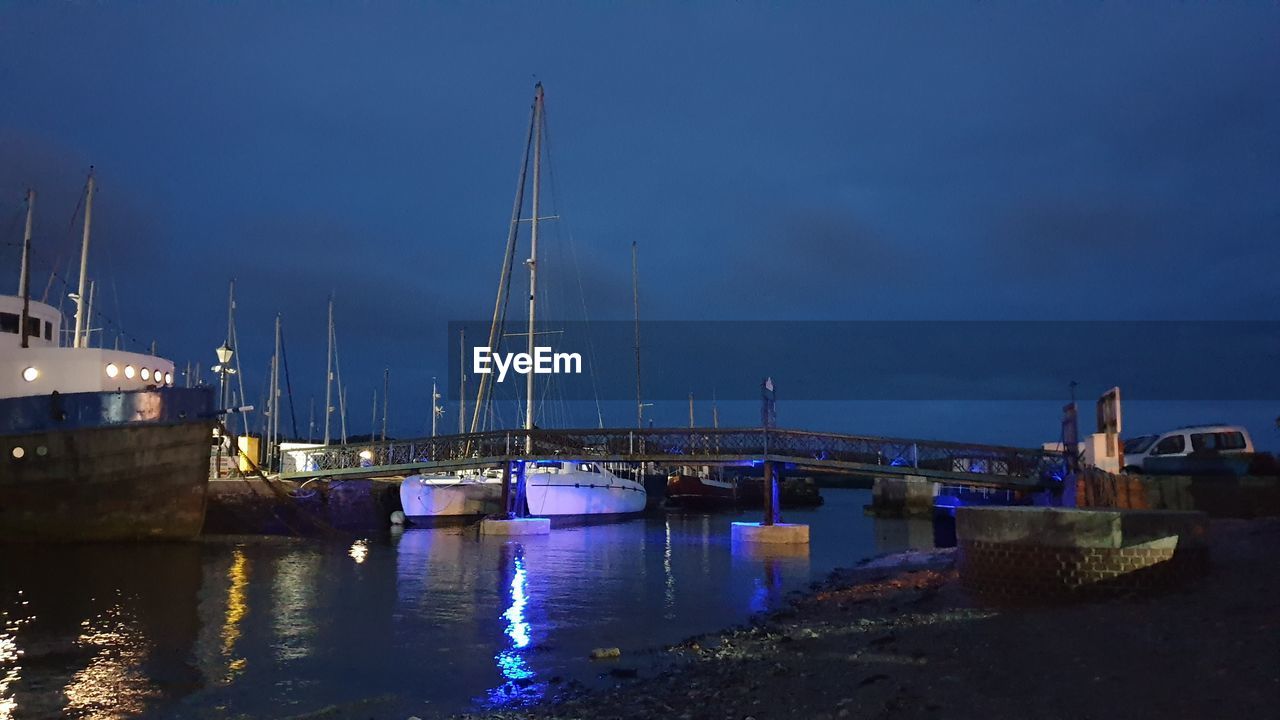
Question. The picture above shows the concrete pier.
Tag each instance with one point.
(777, 533)
(910, 496)
(515, 526)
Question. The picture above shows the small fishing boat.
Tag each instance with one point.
(700, 491)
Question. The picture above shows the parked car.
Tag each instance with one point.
(1191, 440)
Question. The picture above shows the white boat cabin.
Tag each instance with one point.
(44, 366)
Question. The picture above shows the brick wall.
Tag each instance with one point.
(1028, 573)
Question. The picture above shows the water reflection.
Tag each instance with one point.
(237, 608)
(430, 624)
(359, 551)
(777, 564)
(294, 604)
(669, 578)
(10, 669)
(99, 631)
(520, 686)
(112, 684)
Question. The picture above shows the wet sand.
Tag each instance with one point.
(899, 638)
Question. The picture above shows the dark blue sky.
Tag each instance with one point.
(859, 161)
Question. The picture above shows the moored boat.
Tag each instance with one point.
(441, 498)
(95, 444)
(579, 488)
(557, 489)
(700, 492)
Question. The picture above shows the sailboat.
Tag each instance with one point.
(559, 489)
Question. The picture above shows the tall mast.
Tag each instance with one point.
(275, 389)
(436, 410)
(462, 380)
(342, 406)
(504, 280)
(690, 409)
(24, 276)
(231, 313)
(635, 302)
(88, 320)
(84, 260)
(328, 376)
(533, 259)
(386, 391)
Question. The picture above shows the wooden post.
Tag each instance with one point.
(777, 490)
(767, 489)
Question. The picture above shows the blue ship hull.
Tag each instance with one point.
(105, 465)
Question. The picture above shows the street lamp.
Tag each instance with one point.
(223, 368)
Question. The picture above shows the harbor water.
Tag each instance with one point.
(426, 623)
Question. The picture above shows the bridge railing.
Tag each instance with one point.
(688, 445)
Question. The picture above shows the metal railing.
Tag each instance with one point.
(690, 446)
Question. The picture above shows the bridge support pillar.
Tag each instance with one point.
(776, 534)
(770, 492)
(506, 489)
(771, 530)
(514, 523)
(907, 496)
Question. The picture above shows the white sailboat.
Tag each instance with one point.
(563, 488)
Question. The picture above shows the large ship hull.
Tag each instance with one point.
(105, 466)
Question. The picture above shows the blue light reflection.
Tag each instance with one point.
(520, 687)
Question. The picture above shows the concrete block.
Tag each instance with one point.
(781, 533)
(515, 526)
(909, 496)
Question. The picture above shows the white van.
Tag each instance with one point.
(1193, 439)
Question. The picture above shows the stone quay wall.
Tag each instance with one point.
(1019, 555)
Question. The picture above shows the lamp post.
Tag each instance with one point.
(223, 368)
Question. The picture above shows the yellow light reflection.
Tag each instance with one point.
(237, 608)
(359, 551)
(10, 655)
(112, 685)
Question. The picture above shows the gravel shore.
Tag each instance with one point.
(899, 638)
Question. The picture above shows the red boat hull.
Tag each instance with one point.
(695, 493)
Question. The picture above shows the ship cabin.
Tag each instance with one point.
(46, 365)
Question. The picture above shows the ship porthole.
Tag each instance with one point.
(18, 453)
(42, 451)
